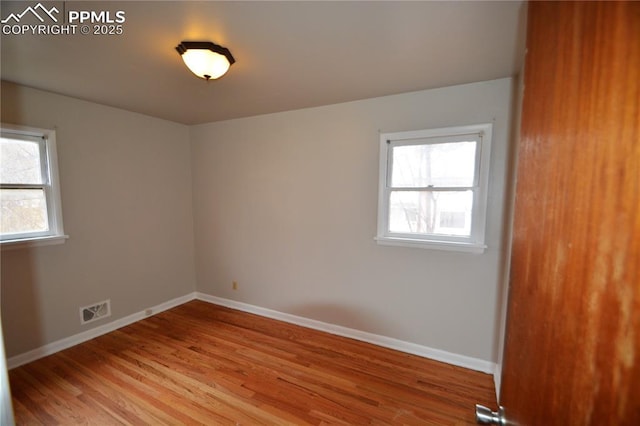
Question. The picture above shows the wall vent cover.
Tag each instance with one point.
(95, 312)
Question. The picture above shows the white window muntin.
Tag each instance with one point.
(481, 135)
(46, 140)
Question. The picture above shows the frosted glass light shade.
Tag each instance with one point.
(205, 63)
(205, 59)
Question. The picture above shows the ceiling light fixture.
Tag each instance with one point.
(205, 59)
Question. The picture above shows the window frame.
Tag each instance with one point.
(50, 185)
(475, 242)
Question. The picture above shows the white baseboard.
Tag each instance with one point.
(67, 342)
(387, 342)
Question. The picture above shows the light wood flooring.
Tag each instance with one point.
(204, 364)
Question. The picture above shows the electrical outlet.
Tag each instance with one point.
(234, 285)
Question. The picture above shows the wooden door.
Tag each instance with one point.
(572, 351)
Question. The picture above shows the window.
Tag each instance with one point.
(433, 188)
(29, 190)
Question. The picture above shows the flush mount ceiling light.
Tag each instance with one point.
(205, 59)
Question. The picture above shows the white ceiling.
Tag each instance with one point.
(289, 55)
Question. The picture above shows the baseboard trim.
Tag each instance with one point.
(387, 342)
(59, 345)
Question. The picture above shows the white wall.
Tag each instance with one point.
(126, 200)
(285, 204)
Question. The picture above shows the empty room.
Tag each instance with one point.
(320, 212)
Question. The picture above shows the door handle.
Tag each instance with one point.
(485, 416)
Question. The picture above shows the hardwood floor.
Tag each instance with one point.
(205, 364)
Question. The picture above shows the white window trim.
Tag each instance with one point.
(473, 244)
(56, 234)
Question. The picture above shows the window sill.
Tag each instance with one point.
(433, 245)
(33, 242)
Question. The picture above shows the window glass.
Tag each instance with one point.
(23, 210)
(442, 164)
(20, 161)
(431, 212)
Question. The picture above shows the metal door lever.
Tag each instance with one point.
(485, 416)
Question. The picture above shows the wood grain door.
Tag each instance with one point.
(572, 347)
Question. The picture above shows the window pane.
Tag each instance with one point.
(20, 161)
(441, 165)
(23, 210)
(431, 212)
